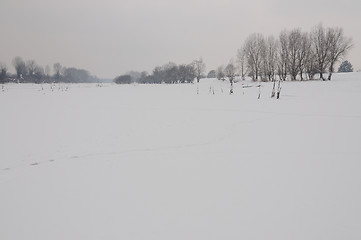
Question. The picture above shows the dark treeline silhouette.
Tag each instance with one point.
(169, 73)
(123, 79)
(3, 73)
(31, 72)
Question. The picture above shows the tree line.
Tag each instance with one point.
(294, 54)
(31, 72)
(170, 73)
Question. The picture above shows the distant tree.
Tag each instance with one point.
(230, 72)
(149, 79)
(47, 71)
(30, 67)
(143, 77)
(146, 79)
(3, 72)
(57, 71)
(345, 66)
(211, 74)
(134, 75)
(199, 67)
(158, 75)
(20, 67)
(220, 73)
(170, 73)
(39, 74)
(186, 73)
(123, 79)
(74, 75)
(144, 74)
(339, 47)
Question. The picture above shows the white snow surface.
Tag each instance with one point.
(161, 162)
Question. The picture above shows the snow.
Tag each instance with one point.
(161, 162)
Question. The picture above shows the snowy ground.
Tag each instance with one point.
(161, 162)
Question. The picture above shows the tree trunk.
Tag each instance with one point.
(279, 89)
(273, 89)
(331, 71)
(329, 76)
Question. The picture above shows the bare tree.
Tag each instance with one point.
(3, 72)
(20, 67)
(186, 73)
(294, 48)
(47, 71)
(230, 72)
(304, 53)
(57, 70)
(322, 48)
(135, 75)
(171, 73)
(339, 47)
(31, 66)
(270, 58)
(199, 67)
(254, 46)
(242, 62)
(39, 74)
(220, 73)
(282, 64)
(311, 63)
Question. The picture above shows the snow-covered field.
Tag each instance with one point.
(161, 162)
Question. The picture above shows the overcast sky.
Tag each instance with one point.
(111, 37)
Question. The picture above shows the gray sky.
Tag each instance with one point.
(110, 37)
